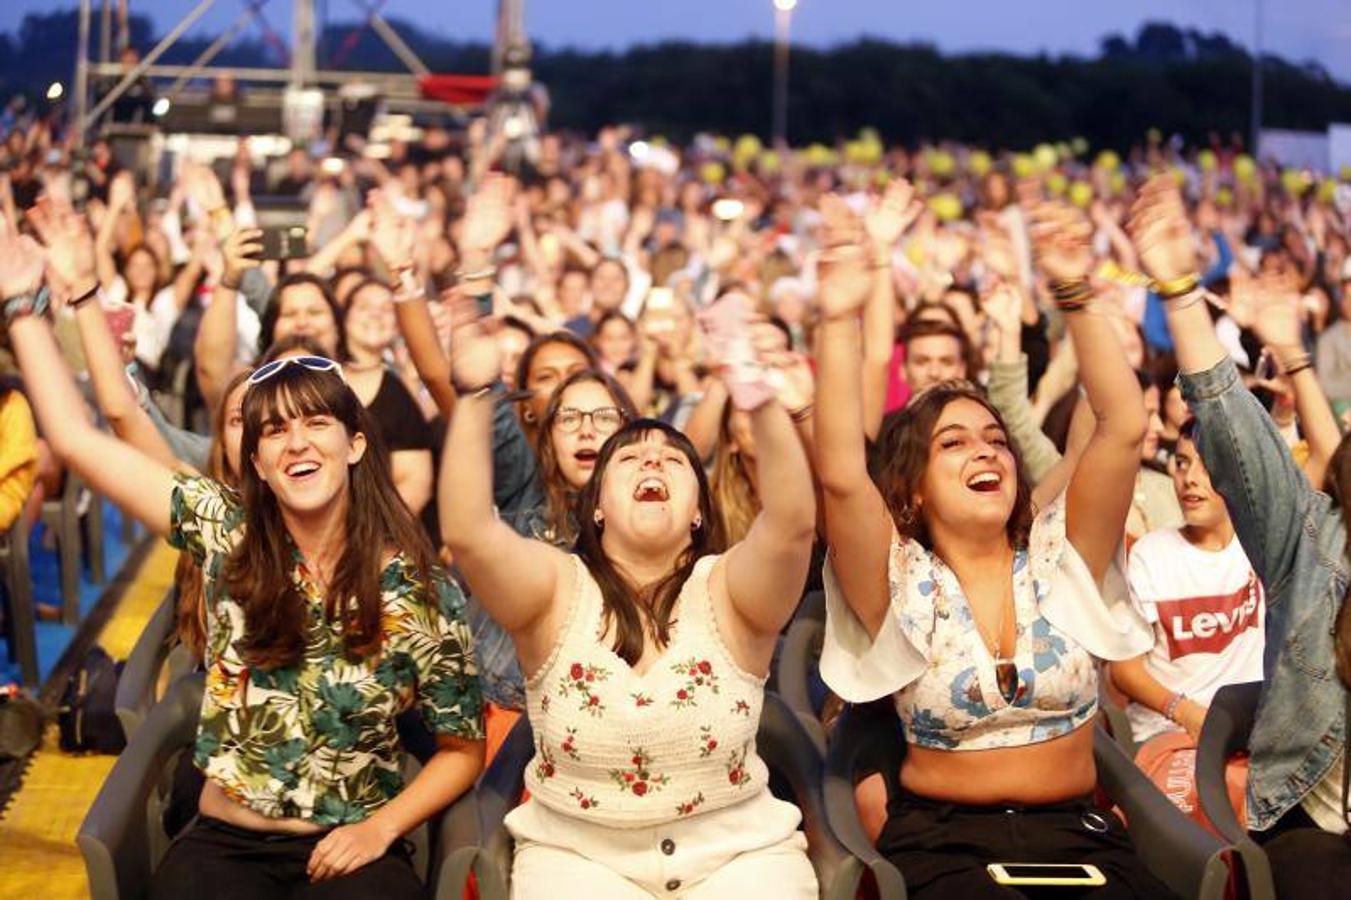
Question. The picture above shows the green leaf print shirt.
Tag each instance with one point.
(317, 740)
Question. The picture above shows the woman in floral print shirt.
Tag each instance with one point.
(297, 736)
(645, 653)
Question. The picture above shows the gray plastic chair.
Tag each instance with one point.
(122, 837)
(62, 516)
(156, 647)
(1190, 860)
(1226, 731)
(21, 621)
(472, 837)
(799, 657)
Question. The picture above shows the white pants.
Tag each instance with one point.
(740, 851)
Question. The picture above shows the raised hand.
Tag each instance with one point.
(240, 252)
(1275, 305)
(202, 185)
(70, 247)
(487, 215)
(893, 216)
(1062, 241)
(842, 269)
(1004, 305)
(996, 248)
(21, 262)
(1158, 226)
(122, 192)
(392, 234)
(475, 356)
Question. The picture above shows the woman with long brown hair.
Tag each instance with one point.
(325, 618)
(645, 653)
(974, 604)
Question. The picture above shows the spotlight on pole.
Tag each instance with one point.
(55, 91)
(785, 5)
(161, 108)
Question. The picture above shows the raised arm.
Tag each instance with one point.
(766, 570)
(513, 577)
(1276, 319)
(1248, 460)
(218, 335)
(138, 484)
(1100, 491)
(884, 226)
(858, 525)
(71, 264)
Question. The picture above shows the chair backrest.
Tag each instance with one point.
(1179, 852)
(140, 677)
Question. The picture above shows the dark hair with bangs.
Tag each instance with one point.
(558, 493)
(901, 457)
(272, 312)
(258, 573)
(639, 610)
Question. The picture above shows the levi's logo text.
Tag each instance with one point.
(1207, 624)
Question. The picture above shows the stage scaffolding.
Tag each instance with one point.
(400, 89)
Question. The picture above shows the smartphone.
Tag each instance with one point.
(728, 208)
(1046, 874)
(285, 242)
(659, 298)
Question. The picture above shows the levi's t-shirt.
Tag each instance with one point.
(1207, 611)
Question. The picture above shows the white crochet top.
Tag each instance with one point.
(631, 751)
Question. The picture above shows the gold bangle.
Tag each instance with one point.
(1178, 287)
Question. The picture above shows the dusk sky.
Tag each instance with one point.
(1297, 29)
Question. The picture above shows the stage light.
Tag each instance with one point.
(161, 108)
(785, 5)
(55, 91)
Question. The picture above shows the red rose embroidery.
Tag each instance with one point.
(639, 779)
(578, 681)
(699, 677)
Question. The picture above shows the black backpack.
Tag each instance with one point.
(87, 718)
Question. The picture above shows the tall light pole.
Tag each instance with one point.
(783, 18)
(1256, 123)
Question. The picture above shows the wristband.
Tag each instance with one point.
(802, 413)
(473, 392)
(85, 297)
(407, 287)
(1072, 294)
(477, 274)
(1306, 364)
(35, 303)
(1178, 287)
(1170, 708)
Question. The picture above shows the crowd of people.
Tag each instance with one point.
(571, 439)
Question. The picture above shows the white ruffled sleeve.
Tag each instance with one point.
(859, 668)
(1105, 623)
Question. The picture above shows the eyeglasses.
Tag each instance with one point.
(606, 419)
(313, 363)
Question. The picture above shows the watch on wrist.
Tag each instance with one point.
(32, 303)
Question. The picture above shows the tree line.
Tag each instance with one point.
(1177, 81)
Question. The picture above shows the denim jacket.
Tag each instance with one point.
(1296, 541)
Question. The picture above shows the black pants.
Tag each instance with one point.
(942, 849)
(213, 860)
(1306, 861)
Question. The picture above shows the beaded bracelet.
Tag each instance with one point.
(1071, 295)
(35, 304)
(1170, 708)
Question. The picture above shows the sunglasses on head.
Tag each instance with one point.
(313, 363)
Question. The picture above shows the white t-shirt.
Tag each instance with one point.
(1207, 611)
(1324, 802)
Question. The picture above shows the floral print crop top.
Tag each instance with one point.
(931, 657)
